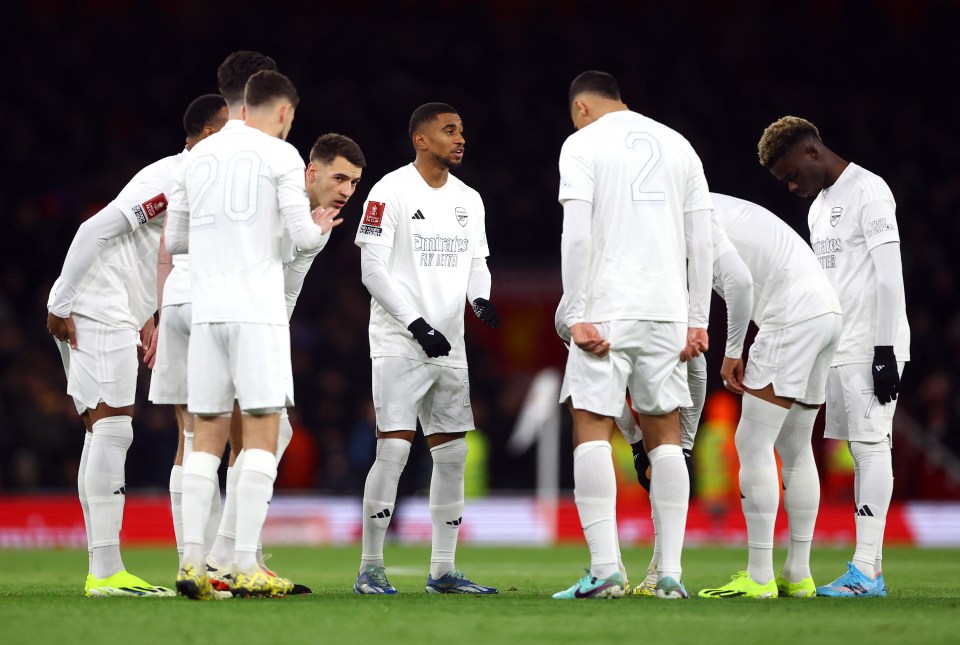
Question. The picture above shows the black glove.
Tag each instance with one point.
(642, 463)
(431, 340)
(486, 312)
(886, 377)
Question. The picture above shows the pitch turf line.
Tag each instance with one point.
(41, 601)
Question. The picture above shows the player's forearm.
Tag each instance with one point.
(164, 266)
(177, 235)
(480, 281)
(294, 274)
(737, 284)
(690, 417)
(107, 224)
(699, 241)
(575, 258)
(886, 260)
(383, 289)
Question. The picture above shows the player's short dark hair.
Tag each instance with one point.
(201, 112)
(593, 82)
(332, 145)
(427, 113)
(266, 86)
(236, 70)
(781, 135)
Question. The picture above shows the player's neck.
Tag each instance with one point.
(603, 108)
(433, 173)
(835, 166)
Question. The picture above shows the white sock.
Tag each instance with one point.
(595, 493)
(760, 423)
(873, 462)
(187, 444)
(380, 496)
(199, 482)
(176, 499)
(670, 488)
(82, 490)
(801, 488)
(106, 491)
(446, 503)
(254, 491)
(222, 551)
(214, 515)
(285, 434)
(655, 558)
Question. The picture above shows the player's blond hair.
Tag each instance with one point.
(781, 135)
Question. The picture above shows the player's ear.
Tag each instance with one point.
(813, 152)
(243, 111)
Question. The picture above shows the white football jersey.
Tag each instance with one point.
(788, 285)
(234, 185)
(641, 177)
(846, 221)
(120, 289)
(434, 235)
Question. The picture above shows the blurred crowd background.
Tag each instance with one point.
(95, 89)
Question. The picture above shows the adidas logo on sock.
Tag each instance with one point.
(120, 491)
(418, 215)
(864, 511)
(382, 514)
(456, 522)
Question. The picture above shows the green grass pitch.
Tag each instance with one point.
(41, 601)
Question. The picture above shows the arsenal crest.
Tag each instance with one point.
(835, 214)
(461, 216)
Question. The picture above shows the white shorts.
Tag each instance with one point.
(644, 359)
(246, 362)
(104, 365)
(795, 359)
(853, 412)
(405, 389)
(168, 383)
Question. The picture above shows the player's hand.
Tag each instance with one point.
(433, 342)
(146, 337)
(326, 218)
(732, 374)
(697, 343)
(587, 338)
(62, 329)
(886, 377)
(486, 312)
(150, 354)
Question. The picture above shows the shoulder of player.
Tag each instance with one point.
(871, 185)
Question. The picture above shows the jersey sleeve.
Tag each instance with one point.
(878, 220)
(481, 249)
(721, 243)
(698, 193)
(289, 171)
(576, 174)
(144, 198)
(379, 221)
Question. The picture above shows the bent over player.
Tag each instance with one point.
(105, 295)
(765, 272)
(423, 255)
(853, 231)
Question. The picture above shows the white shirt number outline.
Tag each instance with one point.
(644, 142)
(243, 170)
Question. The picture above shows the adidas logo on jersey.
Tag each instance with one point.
(120, 491)
(418, 215)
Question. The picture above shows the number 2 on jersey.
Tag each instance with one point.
(644, 143)
(240, 191)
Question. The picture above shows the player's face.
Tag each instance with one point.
(800, 169)
(444, 139)
(332, 184)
